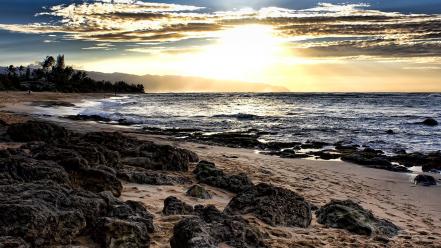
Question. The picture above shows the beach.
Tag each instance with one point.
(390, 195)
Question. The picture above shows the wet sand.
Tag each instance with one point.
(390, 195)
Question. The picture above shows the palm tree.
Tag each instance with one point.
(21, 69)
(11, 70)
(48, 63)
(60, 62)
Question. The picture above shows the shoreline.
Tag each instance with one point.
(390, 195)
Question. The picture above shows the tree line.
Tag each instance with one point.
(53, 75)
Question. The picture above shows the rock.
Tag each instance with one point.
(150, 177)
(192, 233)
(95, 180)
(429, 122)
(231, 139)
(13, 242)
(113, 233)
(428, 162)
(198, 191)
(174, 206)
(352, 217)
(277, 146)
(17, 169)
(273, 205)
(35, 213)
(210, 228)
(424, 180)
(51, 104)
(96, 118)
(37, 131)
(314, 145)
(326, 155)
(368, 157)
(206, 172)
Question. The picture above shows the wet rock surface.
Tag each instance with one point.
(424, 180)
(210, 227)
(429, 122)
(206, 172)
(354, 218)
(273, 205)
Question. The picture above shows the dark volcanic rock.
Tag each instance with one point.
(273, 205)
(231, 139)
(326, 155)
(37, 131)
(206, 172)
(352, 217)
(424, 180)
(13, 242)
(96, 180)
(211, 228)
(151, 177)
(127, 224)
(314, 145)
(371, 158)
(199, 192)
(112, 233)
(16, 169)
(390, 131)
(430, 161)
(35, 213)
(50, 104)
(87, 118)
(174, 206)
(429, 122)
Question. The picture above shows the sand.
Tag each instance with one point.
(390, 195)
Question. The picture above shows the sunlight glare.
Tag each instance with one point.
(241, 53)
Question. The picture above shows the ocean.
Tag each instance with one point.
(362, 119)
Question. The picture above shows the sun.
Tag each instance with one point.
(239, 53)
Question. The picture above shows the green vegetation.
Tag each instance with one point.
(54, 75)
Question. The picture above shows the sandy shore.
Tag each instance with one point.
(390, 195)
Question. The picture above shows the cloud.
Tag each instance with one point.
(326, 30)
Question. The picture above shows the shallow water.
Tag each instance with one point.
(357, 118)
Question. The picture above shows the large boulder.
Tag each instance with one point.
(210, 228)
(273, 205)
(350, 216)
(35, 212)
(206, 172)
(174, 206)
(37, 131)
(18, 168)
(96, 180)
(117, 233)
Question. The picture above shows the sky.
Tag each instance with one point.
(303, 45)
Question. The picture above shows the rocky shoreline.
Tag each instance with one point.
(59, 187)
(400, 161)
